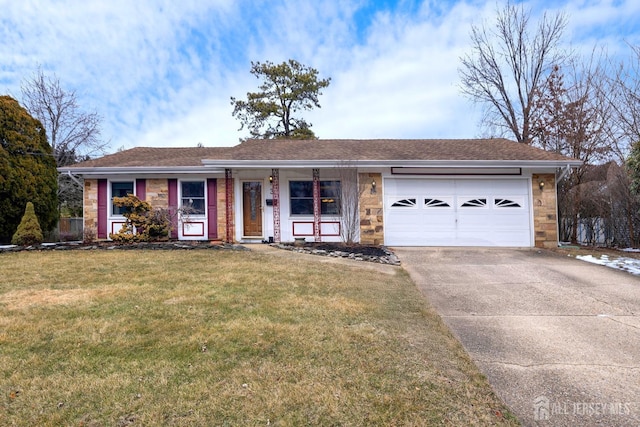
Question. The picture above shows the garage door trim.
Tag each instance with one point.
(458, 211)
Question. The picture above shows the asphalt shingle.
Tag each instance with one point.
(329, 149)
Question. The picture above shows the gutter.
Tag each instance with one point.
(138, 170)
(249, 164)
(212, 166)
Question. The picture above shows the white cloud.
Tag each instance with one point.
(161, 72)
(403, 82)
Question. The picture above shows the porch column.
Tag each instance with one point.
(275, 190)
(228, 195)
(316, 205)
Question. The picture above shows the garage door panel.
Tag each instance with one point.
(472, 238)
(512, 220)
(509, 238)
(458, 212)
(420, 220)
(409, 223)
(437, 222)
(422, 186)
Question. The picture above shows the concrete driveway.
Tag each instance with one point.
(558, 338)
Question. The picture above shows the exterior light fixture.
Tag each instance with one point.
(541, 185)
(373, 187)
(270, 179)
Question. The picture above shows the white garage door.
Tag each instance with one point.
(457, 212)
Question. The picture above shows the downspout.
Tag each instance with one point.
(81, 185)
(74, 179)
(566, 171)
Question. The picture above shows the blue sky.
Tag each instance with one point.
(161, 72)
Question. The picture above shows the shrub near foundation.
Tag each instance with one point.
(143, 223)
(29, 231)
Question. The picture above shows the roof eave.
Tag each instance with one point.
(293, 164)
(138, 170)
(218, 166)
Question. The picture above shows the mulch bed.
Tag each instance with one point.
(350, 249)
(359, 252)
(378, 254)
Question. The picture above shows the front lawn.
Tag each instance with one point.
(200, 338)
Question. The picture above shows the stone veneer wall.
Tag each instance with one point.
(545, 214)
(158, 196)
(90, 206)
(158, 193)
(371, 218)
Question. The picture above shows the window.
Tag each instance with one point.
(404, 203)
(436, 203)
(506, 203)
(301, 197)
(193, 197)
(475, 203)
(120, 189)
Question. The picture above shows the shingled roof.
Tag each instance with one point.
(149, 157)
(494, 149)
(390, 149)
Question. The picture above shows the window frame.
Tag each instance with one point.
(508, 202)
(405, 203)
(119, 214)
(326, 200)
(181, 197)
(474, 202)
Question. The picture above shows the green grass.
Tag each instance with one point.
(200, 338)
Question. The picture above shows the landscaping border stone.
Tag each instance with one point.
(388, 256)
(128, 246)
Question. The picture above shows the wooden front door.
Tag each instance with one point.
(252, 208)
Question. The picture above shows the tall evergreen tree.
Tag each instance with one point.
(285, 91)
(27, 170)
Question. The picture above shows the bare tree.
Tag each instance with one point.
(74, 134)
(623, 94)
(571, 117)
(349, 203)
(508, 64)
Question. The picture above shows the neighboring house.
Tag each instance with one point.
(480, 192)
(602, 206)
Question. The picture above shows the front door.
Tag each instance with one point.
(252, 208)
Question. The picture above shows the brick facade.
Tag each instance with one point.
(222, 210)
(545, 215)
(371, 217)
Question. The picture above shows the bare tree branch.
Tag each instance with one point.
(508, 65)
(73, 134)
(349, 202)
